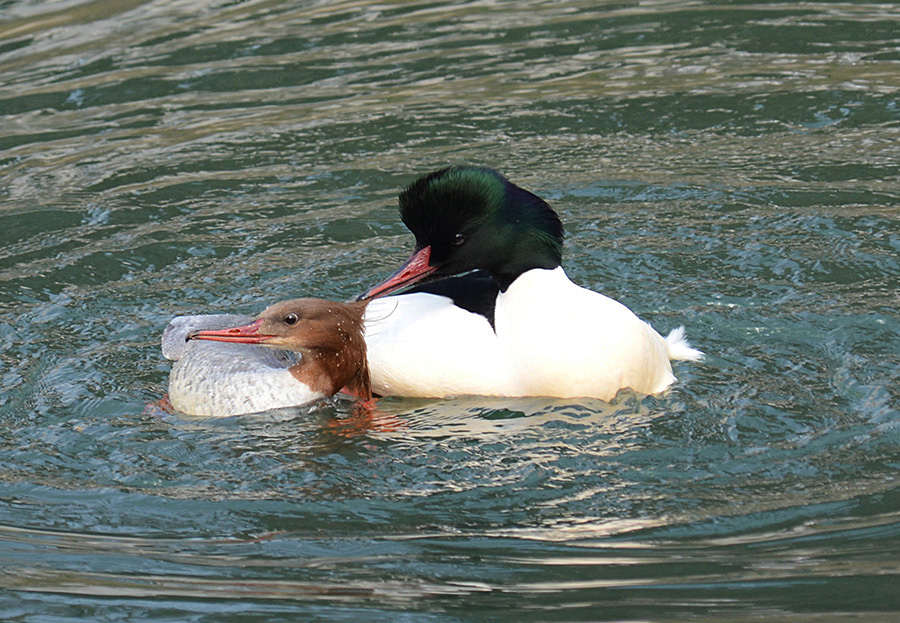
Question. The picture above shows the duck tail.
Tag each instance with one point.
(679, 348)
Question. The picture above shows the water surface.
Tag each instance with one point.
(728, 167)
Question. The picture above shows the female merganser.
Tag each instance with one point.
(294, 353)
(517, 326)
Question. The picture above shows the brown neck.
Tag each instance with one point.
(338, 360)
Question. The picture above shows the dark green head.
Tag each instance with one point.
(467, 218)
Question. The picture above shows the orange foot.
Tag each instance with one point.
(365, 418)
(159, 407)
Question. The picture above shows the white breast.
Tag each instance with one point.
(423, 345)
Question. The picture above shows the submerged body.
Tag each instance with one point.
(295, 353)
(214, 378)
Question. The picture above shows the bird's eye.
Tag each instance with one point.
(291, 318)
(458, 239)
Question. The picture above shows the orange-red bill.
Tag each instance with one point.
(246, 334)
(416, 268)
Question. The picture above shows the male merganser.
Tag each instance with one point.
(294, 353)
(517, 326)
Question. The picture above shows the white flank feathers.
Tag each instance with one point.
(553, 338)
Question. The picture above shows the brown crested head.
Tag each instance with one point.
(330, 337)
(328, 334)
(307, 324)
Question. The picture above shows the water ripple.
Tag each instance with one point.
(728, 168)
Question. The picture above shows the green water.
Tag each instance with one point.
(731, 167)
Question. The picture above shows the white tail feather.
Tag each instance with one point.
(679, 348)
